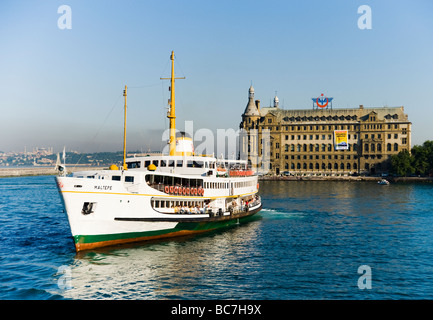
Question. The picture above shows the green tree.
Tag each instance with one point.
(401, 164)
(422, 158)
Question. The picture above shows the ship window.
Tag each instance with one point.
(147, 163)
(171, 163)
(163, 163)
(189, 163)
(132, 165)
(179, 163)
(129, 179)
(198, 164)
(115, 178)
(156, 162)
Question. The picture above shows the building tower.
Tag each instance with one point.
(249, 128)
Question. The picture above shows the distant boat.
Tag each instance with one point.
(383, 182)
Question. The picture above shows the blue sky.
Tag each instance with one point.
(64, 87)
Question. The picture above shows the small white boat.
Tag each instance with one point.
(383, 182)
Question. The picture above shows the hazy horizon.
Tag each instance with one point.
(63, 87)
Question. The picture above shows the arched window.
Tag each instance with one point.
(379, 147)
(286, 148)
(348, 166)
(305, 148)
(336, 166)
(292, 166)
(317, 166)
(311, 148)
(298, 148)
(304, 166)
(355, 166)
(323, 147)
(329, 147)
(366, 147)
(329, 166)
(395, 147)
(311, 166)
(317, 147)
(323, 166)
(373, 147)
(298, 166)
(342, 166)
(388, 147)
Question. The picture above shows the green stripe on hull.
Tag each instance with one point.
(181, 226)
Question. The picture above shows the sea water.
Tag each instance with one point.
(312, 240)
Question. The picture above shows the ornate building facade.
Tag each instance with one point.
(276, 140)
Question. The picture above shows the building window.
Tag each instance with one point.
(395, 147)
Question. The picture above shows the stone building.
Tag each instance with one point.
(303, 142)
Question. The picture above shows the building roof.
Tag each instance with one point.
(251, 108)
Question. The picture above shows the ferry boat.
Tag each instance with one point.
(154, 197)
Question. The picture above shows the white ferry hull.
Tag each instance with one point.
(118, 216)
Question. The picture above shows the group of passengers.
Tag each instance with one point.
(189, 209)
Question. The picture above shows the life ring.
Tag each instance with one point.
(171, 189)
(184, 190)
(176, 190)
(200, 191)
(188, 191)
(194, 191)
(257, 186)
(166, 189)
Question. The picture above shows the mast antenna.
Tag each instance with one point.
(171, 114)
(124, 130)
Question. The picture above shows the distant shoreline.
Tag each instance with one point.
(348, 178)
(46, 171)
(6, 172)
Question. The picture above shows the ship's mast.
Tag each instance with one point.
(171, 115)
(124, 131)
